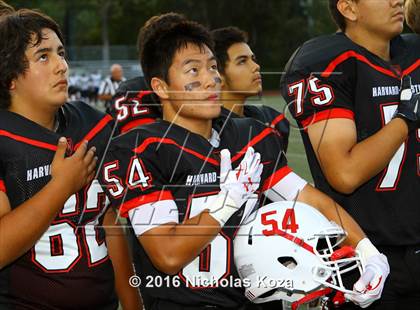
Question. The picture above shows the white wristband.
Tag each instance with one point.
(366, 249)
(222, 208)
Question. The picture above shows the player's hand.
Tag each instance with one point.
(236, 186)
(408, 109)
(75, 171)
(240, 183)
(371, 283)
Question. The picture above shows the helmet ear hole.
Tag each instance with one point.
(287, 261)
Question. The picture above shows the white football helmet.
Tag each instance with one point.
(289, 251)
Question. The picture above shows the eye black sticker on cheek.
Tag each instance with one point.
(191, 86)
(217, 80)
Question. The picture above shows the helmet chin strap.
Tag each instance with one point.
(310, 297)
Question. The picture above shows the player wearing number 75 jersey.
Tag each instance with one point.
(187, 182)
(361, 138)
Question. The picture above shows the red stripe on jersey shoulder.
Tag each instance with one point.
(327, 114)
(352, 54)
(413, 67)
(275, 178)
(253, 141)
(29, 141)
(2, 186)
(142, 147)
(95, 130)
(278, 119)
(143, 199)
(143, 93)
(138, 122)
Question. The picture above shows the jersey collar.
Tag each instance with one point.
(215, 138)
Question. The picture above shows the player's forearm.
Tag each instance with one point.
(348, 164)
(334, 212)
(372, 155)
(171, 247)
(21, 228)
(121, 261)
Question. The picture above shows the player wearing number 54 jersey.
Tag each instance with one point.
(174, 180)
(362, 141)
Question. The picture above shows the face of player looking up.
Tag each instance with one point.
(44, 84)
(242, 73)
(191, 94)
(384, 17)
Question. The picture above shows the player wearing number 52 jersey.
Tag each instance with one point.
(362, 141)
(174, 180)
(134, 105)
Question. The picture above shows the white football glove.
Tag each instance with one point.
(236, 186)
(241, 183)
(371, 283)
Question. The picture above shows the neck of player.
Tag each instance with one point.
(198, 126)
(44, 117)
(373, 42)
(233, 101)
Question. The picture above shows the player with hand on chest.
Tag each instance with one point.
(53, 248)
(186, 182)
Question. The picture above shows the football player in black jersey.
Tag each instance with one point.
(241, 79)
(412, 14)
(53, 246)
(361, 137)
(134, 104)
(173, 179)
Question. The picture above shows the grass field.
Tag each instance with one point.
(296, 152)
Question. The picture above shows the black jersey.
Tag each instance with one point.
(134, 104)
(269, 116)
(332, 77)
(69, 267)
(162, 161)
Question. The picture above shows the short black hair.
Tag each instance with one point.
(223, 39)
(154, 24)
(16, 35)
(159, 47)
(336, 15)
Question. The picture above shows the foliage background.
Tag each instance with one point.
(276, 27)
